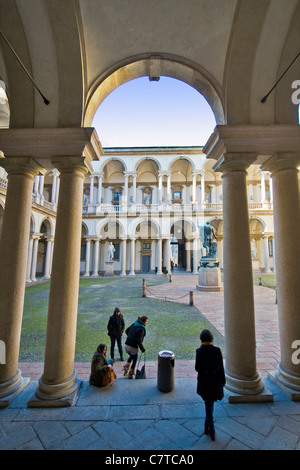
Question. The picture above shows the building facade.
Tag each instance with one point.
(150, 204)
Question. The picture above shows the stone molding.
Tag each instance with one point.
(262, 140)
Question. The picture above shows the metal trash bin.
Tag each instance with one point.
(165, 371)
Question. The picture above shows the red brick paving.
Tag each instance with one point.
(210, 304)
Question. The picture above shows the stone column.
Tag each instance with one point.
(134, 176)
(132, 257)
(100, 179)
(195, 254)
(188, 255)
(123, 254)
(125, 199)
(48, 257)
(160, 176)
(29, 258)
(87, 258)
(59, 385)
(263, 187)
(35, 238)
(194, 198)
(13, 263)
(92, 190)
(266, 254)
(169, 188)
(41, 188)
(57, 190)
(96, 256)
(159, 255)
(36, 185)
(242, 379)
(54, 186)
(202, 188)
(286, 210)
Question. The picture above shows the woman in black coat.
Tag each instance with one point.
(135, 337)
(115, 327)
(211, 377)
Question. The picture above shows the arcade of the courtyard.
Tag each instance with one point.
(149, 204)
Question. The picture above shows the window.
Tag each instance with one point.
(116, 198)
(147, 196)
(270, 243)
(177, 195)
(117, 251)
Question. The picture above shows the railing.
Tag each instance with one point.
(144, 208)
(164, 207)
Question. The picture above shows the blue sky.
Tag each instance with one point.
(141, 113)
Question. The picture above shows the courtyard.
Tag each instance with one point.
(173, 323)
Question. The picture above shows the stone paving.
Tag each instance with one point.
(133, 415)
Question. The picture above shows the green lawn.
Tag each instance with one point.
(267, 280)
(171, 326)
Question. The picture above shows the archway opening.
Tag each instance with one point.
(143, 113)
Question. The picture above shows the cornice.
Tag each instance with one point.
(262, 140)
(44, 144)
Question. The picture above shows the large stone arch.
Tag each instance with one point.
(154, 67)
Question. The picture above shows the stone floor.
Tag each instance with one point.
(133, 415)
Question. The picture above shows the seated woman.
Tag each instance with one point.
(99, 365)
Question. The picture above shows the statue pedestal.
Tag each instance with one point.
(109, 268)
(209, 276)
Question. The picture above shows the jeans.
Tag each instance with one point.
(113, 340)
(209, 420)
(133, 356)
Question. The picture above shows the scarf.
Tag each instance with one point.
(139, 323)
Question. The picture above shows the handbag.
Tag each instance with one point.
(109, 377)
(141, 373)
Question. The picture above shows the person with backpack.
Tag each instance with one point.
(135, 336)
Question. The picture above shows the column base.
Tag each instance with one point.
(12, 388)
(286, 382)
(246, 391)
(56, 396)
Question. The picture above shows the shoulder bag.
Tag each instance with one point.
(109, 377)
(141, 373)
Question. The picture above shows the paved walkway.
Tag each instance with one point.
(134, 415)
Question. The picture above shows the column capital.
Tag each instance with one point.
(234, 162)
(71, 164)
(282, 161)
(36, 235)
(197, 172)
(21, 165)
(94, 238)
(89, 238)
